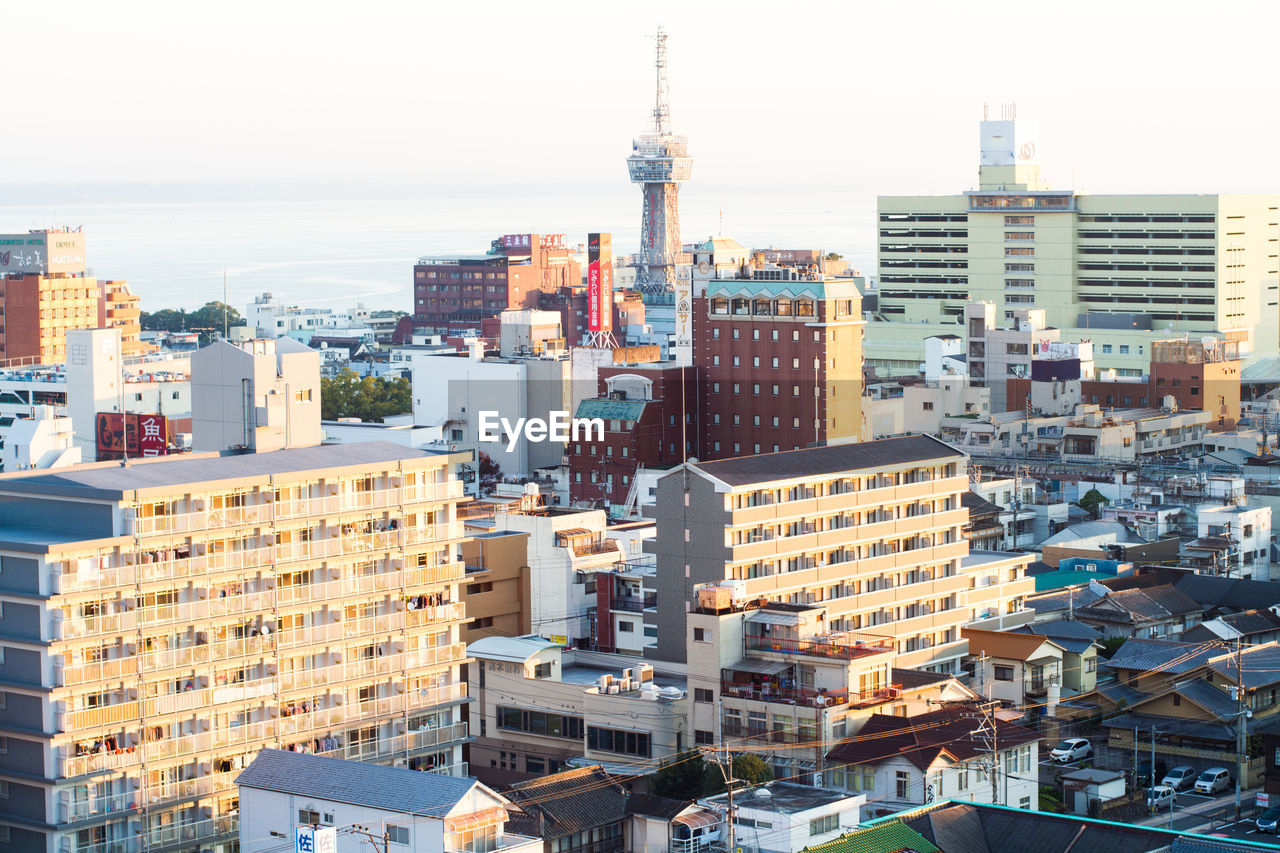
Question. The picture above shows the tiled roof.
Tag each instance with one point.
(1252, 621)
(1117, 692)
(1206, 696)
(1176, 726)
(1006, 645)
(1111, 531)
(610, 410)
(922, 738)
(911, 678)
(826, 461)
(572, 801)
(1162, 655)
(977, 504)
(652, 805)
(1063, 599)
(891, 837)
(1261, 665)
(966, 828)
(1065, 636)
(1154, 604)
(1236, 593)
(355, 782)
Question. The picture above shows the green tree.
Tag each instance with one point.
(207, 320)
(370, 398)
(833, 256)
(1092, 501)
(682, 778)
(747, 768)
(1111, 645)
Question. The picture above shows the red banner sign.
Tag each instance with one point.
(599, 282)
(140, 435)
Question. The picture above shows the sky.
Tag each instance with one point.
(873, 97)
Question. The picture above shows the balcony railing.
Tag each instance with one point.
(810, 698)
(835, 648)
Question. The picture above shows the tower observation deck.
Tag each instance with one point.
(660, 162)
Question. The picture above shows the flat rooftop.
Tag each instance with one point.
(588, 675)
(786, 798)
(111, 480)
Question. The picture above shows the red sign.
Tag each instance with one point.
(140, 435)
(599, 282)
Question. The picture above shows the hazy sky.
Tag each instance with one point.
(882, 97)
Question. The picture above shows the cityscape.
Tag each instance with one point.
(606, 534)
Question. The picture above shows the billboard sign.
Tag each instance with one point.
(139, 435)
(599, 282)
(316, 839)
(42, 252)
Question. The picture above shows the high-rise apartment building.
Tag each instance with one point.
(1111, 268)
(165, 620)
(458, 292)
(779, 358)
(46, 290)
(870, 530)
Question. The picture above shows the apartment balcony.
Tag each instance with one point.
(455, 653)
(843, 647)
(93, 672)
(69, 766)
(631, 604)
(811, 698)
(99, 807)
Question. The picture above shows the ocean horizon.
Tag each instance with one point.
(333, 245)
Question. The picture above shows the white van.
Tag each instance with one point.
(1161, 797)
(1213, 780)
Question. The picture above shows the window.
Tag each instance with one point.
(626, 627)
(542, 670)
(902, 784)
(823, 825)
(1024, 803)
(539, 723)
(4, 790)
(703, 737)
(1091, 665)
(700, 635)
(702, 694)
(398, 834)
(1004, 673)
(618, 740)
(535, 765)
(313, 818)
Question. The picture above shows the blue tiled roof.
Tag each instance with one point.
(391, 788)
(610, 410)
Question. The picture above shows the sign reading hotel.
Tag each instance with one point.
(599, 282)
(42, 252)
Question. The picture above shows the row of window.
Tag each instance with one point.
(755, 334)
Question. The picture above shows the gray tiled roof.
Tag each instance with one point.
(828, 460)
(1206, 696)
(571, 801)
(1132, 606)
(1117, 692)
(1236, 593)
(1075, 637)
(1162, 655)
(112, 480)
(355, 782)
(1261, 665)
(1081, 596)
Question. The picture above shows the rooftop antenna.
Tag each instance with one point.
(661, 102)
(224, 303)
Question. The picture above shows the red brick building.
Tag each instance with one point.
(571, 303)
(1202, 375)
(642, 410)
(459, 292)
(781, 363)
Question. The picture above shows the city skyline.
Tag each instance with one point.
(331, 97)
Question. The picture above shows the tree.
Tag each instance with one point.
(208, 321)
(1092, 501)
(833, 256)
(489, 471)
(370, 398)
(748, 768)
(1111, 645)
(682, 778)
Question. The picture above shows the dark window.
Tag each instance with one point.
(539, 723)
(1004, 673)
(618, 740)
(702, 694)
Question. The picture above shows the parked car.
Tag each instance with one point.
(1145, 777)
(1267, 821)
(1180, 778)
(1071, 749)
(1213, 780)
(1161, 797)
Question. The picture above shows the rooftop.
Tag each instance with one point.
(1167, 656)
(112, 480)
(786, 798)
(356, 782)
(921, 739)
(1006, 645)
(890, 837)
(511, 649)
(826, 461)
(571, 801)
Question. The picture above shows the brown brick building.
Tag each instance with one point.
(1203, 375)
(780, 361)
(460, 291)
(642, 412)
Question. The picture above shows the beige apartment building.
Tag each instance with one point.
(871, 531)
(164, 621)
(1116, 269)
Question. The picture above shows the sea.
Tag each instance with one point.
(338, 245)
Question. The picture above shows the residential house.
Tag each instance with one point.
(1079, 644)
(892, 836)
(1251, 627)
(663, 825)
(902, 762)
(1156, 612)
(281, 791)
(984, 530)
(783, 817)
(583, 810)
(1022, 670)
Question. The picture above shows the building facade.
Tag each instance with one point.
(164, 622)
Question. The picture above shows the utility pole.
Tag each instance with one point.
(1154, 732)
(1242, 761)
(373, 838)
(726, 772)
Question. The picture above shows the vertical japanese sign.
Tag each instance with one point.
(599, 282)
(139, 435)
